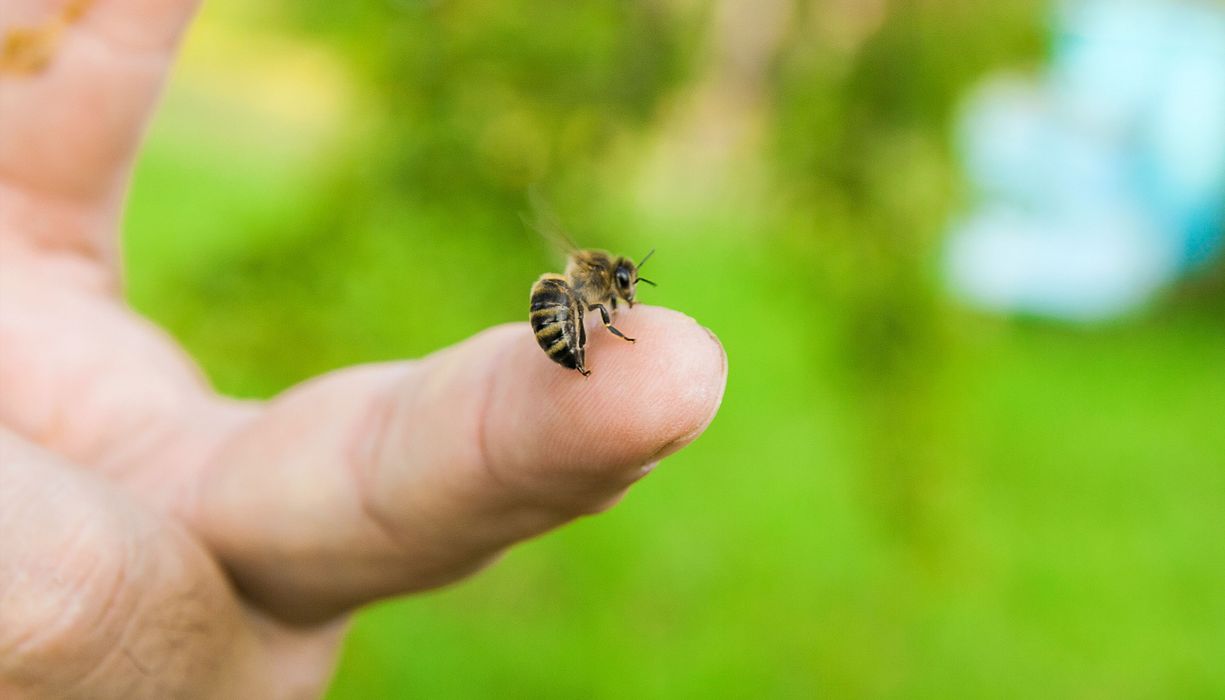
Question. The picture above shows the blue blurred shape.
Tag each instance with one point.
(1102, 181)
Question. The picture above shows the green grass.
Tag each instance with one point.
(1080, 554)
(1069, 546)
(898, 499)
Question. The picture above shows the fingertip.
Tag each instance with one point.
(670, 384)
(643, 401)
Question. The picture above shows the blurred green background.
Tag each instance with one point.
(899, 498)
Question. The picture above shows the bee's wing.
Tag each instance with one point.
(544, 221)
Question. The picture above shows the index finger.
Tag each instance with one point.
(386, 479)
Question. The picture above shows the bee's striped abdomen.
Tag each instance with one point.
(557, 321)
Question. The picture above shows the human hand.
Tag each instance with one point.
(159, 540)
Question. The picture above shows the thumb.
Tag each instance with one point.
(391, 478)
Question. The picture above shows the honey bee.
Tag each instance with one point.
(594, 280)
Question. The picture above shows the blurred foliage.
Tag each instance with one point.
(898, 498)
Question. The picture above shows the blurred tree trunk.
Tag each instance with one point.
(866, 95)
(709, 143)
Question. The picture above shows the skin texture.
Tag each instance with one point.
(159, 540)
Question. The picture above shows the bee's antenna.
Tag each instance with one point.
(644, 261)
(643, 279)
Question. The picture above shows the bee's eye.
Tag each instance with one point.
(623, 277)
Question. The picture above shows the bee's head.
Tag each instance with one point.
(625, 277)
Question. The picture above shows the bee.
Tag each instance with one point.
(595, 280)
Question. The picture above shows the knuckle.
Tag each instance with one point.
(63, 606)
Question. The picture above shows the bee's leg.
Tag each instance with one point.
(613, 302)
(580, 322)
(608, 321)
